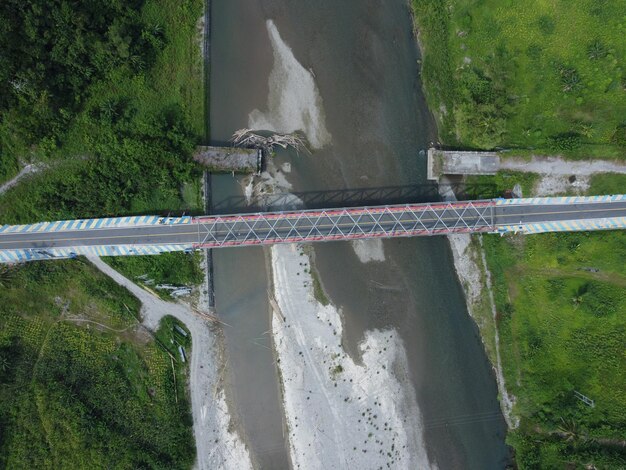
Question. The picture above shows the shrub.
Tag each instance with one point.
(619, 135)
(527, 451)
(546, 24)
(565, 142)
(570, 79)
(534, 51)
(599, 299)
(597, 50)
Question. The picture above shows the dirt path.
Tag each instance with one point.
(555, 173)
(216, 446)
(559, 166)
(610, 277)
(27, 170)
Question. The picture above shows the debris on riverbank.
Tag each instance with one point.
(248, 138)
(340, 414)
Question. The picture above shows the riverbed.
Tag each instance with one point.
(346, 73)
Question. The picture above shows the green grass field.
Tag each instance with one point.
(562, 323)
(547, 76)
(80, 387)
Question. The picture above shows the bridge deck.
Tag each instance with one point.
(325, 225)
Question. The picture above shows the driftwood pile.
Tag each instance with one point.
(250, 139)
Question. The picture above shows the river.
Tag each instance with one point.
(364, 61)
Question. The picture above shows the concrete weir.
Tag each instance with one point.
(229, 159)
(457, 162)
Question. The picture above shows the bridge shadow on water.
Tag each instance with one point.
(336, 198)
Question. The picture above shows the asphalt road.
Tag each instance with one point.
(334, 224)
(526, 214)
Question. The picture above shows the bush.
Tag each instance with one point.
(565, 142)
(619, 136)
(546, 24)
(527, 451)
(599, 299)
(570, 79)
(597, 50)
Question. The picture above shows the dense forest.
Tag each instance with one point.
(81, 90)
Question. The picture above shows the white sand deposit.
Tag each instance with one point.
(340, 414)
(294, 102)
(368, 250)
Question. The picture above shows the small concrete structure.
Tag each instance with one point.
(229, 159)
(183, 355)
(180, 330)
(456, 162)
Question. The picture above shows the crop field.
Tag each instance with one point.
(547, 77)
(80, 386)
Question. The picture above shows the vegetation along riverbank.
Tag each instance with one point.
(106, 99)
(78, 377)
(546, 77)
(543, 78)
(111, 101)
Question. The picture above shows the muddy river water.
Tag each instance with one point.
(367, 119)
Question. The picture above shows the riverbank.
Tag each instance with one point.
(550, 309)
(475, 278)
(545, 289)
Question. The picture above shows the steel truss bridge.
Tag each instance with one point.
(346, 224)
(152, 234)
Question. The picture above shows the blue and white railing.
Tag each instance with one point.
(91, 224)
